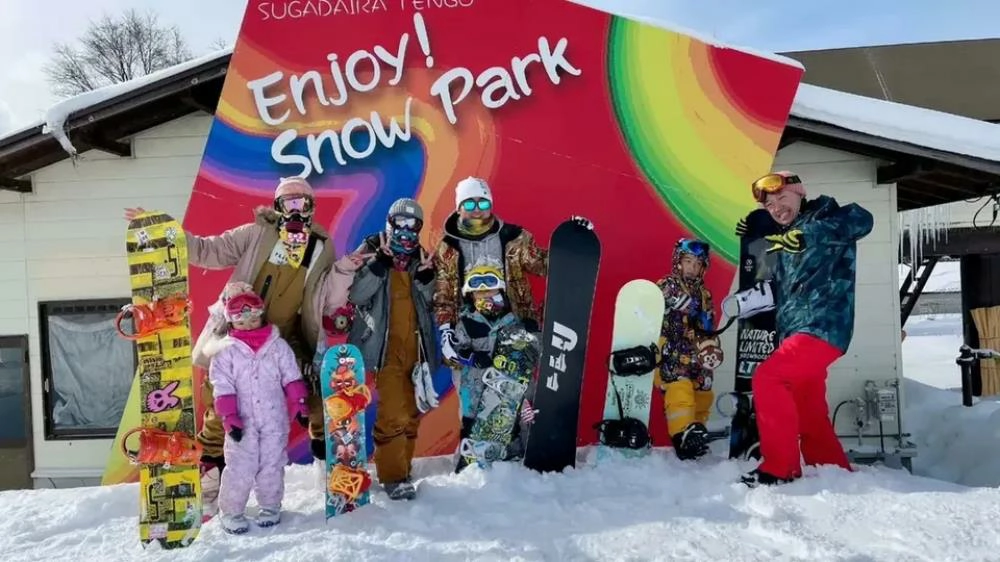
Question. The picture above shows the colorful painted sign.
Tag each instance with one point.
(564, 109)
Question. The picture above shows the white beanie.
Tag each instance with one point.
(472, 188)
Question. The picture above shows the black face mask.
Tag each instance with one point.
(294, 222)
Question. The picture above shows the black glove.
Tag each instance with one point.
(741, 227)
(481, 359)
(530, 325)
(381, 264)
(424, 276)
(303, 420)
(236, 433)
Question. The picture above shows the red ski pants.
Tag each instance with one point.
(789, 394)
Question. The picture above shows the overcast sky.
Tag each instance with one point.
(28, 29)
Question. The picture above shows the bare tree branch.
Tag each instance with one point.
(115, 50)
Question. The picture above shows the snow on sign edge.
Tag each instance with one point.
(896, 121)
(614, 8)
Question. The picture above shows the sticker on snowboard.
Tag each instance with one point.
(168, 455)
(345, 397)
(632, 364)
(574, 259)
(515, 356)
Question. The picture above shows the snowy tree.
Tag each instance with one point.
(114, 50)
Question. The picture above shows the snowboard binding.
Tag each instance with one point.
(153, 317)
(633, 361)
(626, 433)
(348, 483)
(167, 448)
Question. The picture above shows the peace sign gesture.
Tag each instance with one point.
(426, 261)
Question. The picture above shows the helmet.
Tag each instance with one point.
(691, 247)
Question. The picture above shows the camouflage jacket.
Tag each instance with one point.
(814, 288)
(678, 338)
(520, 256)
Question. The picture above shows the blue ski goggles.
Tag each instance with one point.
(470, 205)
(696, 248)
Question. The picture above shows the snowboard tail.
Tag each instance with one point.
(345, 398)
(574, 259)
(168, 454)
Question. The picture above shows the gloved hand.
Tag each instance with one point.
(295, 400)
(741, 227)
(679, 302)
(227, 408)
(790, 241)
(754, 300)
(423, 387)
(448, 344)
(582, 221)
(527, 411)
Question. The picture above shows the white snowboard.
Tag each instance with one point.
(638, 317)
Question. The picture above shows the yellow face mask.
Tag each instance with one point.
(295, 245)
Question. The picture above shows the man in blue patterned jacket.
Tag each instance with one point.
(813, 292)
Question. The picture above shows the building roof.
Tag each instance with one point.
(960, 77)
(933, 157)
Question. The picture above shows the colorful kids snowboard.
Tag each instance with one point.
(170, 502)
(632, 368)
(574, 258)
(345, 397)
(755, 336)
(515, 357)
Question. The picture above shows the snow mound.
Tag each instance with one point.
(653, 508)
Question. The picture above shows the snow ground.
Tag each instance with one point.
(657, 508)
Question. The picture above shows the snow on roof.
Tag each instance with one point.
(895, 121)
(617, 8)
(55, 117)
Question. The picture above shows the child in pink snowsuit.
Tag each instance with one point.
(257, 388)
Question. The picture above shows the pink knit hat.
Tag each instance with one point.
(293, 186)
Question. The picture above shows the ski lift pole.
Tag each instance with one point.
(966, 357)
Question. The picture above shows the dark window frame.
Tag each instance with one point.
(69, 307)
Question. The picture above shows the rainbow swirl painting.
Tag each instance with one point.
(564, 109)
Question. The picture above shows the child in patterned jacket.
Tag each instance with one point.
(257, 389)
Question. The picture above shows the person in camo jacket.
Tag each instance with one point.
(288, 260)
(471, 234)
(812, 293)
(258, 387)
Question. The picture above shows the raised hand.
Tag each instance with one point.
(426, 260)
(131, 213)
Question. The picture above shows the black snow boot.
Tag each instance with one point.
(692, 443)
(756, 477)
(402, 490)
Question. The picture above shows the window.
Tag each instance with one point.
(87, 368)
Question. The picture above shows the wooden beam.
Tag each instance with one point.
(95, 140)
(893, 173)
(788, 138)
(958, 242)
(13, 184)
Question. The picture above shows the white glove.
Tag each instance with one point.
(423, 388)
(448, 343)
(754, 300)
(680, 302)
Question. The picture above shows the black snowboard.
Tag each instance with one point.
(574, 257)
(755, 336)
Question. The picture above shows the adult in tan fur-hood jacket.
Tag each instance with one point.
(289, 262)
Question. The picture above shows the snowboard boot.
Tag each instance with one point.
(756, 478)
(692, 443)
(235, 524)
(268, 517)
(402, 490)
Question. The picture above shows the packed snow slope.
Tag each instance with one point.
(652, 509)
